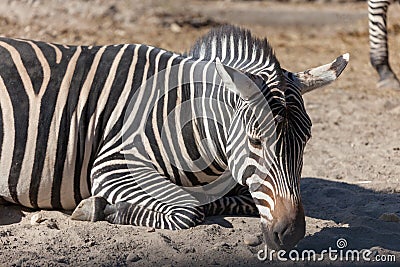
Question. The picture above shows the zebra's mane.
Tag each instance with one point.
(237, 48)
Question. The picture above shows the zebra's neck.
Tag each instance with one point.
(175, 104)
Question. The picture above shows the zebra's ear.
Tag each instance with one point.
(236, 81)
(320, 76)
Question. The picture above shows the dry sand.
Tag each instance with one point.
(351, 172)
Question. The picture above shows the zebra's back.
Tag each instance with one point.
(54, 100)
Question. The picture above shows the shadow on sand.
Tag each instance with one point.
(356, 208)
(10, 214)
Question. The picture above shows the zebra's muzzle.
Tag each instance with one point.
(287, 228)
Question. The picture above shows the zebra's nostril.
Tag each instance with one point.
(284, 236)
(285, 232)
(277, 239)
(291, 233)
(280, 233)
(287, 227)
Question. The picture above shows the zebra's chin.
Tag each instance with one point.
(284, 232)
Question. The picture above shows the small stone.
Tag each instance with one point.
(251, 240)
(37, 219)
(338, 176)
(132, 257)
(189, 250)
(52, 225)
(151, 230)
(175, 28)
(221, 245)
(63, 260)
(389, 217)
(214, 262)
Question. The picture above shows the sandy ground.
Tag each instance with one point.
(351, 170)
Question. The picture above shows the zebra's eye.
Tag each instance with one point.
(255, 142)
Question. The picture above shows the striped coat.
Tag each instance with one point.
(134, 134)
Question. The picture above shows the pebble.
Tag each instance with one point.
(37, 219)
(132, 257)
(189, 250)
(214, 262)
(175, 28)
(389, 217)
(221, 245)
(62, 260)
(251, 240)
(52, 225)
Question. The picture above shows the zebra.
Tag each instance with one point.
(379, 53)
(97, 130)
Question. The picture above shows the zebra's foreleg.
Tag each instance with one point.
(237, 202)
(173, 218)
(138, 195)
(97, 209)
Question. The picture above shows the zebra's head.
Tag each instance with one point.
(266, 141)
(270, 126)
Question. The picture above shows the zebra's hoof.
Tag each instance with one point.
(90, 209)
(389, 83)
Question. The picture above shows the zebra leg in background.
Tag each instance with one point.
(379, 53)
(237, 202)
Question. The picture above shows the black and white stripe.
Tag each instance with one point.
(124, 132)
